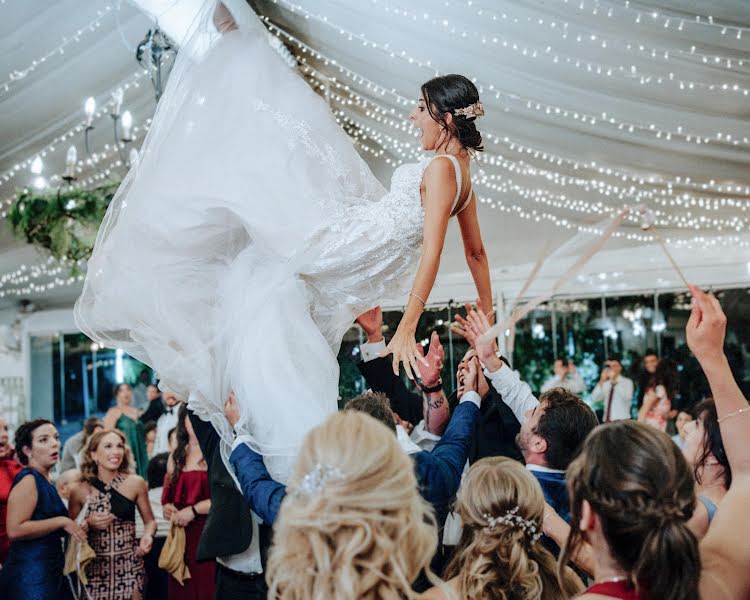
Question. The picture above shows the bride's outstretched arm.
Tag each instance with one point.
(476, 257)
(439, 192)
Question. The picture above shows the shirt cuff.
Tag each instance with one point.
(502, 374)
(471, 396)
(370, 351)
(241, 439)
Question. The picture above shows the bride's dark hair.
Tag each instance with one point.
(449, 93)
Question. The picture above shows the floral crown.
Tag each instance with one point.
(515, 521)
(473, 110)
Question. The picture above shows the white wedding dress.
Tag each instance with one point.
(247, 240)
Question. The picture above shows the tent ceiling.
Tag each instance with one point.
(591, 105)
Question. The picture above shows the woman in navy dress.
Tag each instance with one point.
(37, 521)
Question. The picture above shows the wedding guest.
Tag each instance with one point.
(9, 468)
(683, 418)
(501, 507)
(186, 500)
(156, 578)
(354, 524)
(552, 428)
(704, 451)
(166, 422)
(659, 397)
(646, 378)
(140, 400)
(149, 432)
(37, 520)
(66, 482)
(155, 407)
(633, 511)
(232, 536)
(565, 375)
(615, 391)
(497, 426)
(124, 417)
(112, 494)
(71, 455)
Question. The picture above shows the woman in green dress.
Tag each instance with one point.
(124, 417)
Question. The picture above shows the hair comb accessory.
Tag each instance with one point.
(473, 110)
(315, 480)
(515, 521)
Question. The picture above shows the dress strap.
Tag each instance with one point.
(457, 168)
(710, 507)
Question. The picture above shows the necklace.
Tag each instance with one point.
(613, 579)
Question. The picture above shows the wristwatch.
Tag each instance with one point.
(431, 390)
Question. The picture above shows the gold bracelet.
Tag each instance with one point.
(733, 414)
(418, 298)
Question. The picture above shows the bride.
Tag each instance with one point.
(251, 235)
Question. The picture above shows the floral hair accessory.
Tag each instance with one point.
(472, 111)
(515, 521)
(314, 481)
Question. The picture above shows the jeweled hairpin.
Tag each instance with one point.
(473, 110)
(514, 520)
(314, 481)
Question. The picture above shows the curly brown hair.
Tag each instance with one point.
(639, 484)
(89, 468)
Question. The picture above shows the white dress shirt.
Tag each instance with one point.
(572, 382)
(515, 393)
(622, 398)
(164, 425)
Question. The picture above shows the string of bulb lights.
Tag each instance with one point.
(626, 177)
(68, 40)
(399, 122)
(562, 29)
(631, 72)
(518, 103)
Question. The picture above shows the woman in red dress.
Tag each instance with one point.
(9, 468)
(186, 502)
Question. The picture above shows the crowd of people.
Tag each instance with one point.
(485, 491)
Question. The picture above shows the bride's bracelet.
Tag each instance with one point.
(418, 298)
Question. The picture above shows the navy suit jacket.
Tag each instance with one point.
(438, 472)
(555, 493)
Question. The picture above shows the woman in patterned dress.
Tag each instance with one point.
(111, 493)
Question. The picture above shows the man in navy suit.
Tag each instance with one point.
(438, 472)
(552, 428)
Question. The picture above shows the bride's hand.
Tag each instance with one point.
(403, 347)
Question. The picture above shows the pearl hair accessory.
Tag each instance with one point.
(314, 481)
(473, 110)
(515, 521)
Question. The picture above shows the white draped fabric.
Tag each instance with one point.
(591, 105)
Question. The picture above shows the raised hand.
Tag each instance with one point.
(231, 409)
(99, 520)
(403, 347)
(372, 324)
(706, 327)
(431, 371)
(74, 530)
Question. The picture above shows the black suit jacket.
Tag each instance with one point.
(228, 528)
(497, 427)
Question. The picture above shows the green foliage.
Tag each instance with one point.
(63, 223)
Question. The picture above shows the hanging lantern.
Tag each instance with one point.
(156, 54)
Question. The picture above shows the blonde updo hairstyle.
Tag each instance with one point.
(504, 562)
(363, 533)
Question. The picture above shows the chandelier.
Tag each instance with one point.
(156, 54)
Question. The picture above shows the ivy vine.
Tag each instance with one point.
(64, 223)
